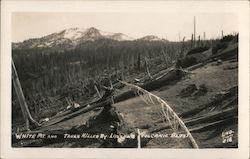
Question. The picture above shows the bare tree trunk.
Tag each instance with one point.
(194, 32)
(204, 39)
(139, 62)
(199, 41)
(24, 107)
(192, 41)
(149, 75)
(182, 48)
(98, 92)
(165, 57)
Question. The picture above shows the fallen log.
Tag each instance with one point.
(76, 113)
(234, 100)
(231, 92)
(228, 113)
(191, 68)
(99, 123)
(171, 76)
(189, 122)
(65, 113)
(213, 124)
(69, 114)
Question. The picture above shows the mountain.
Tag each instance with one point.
(70, 38)
(150, 38)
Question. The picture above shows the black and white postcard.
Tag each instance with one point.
(108, 79)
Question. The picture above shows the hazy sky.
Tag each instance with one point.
(27, 25)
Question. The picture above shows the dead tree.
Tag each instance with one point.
(204, 39)
(199, 41)
(182, 48)
(194, 33)
(148, 73)
(24, 107)
(179, 37)
(192, 41)
(139, 62)
(165, 56)
(97, 91)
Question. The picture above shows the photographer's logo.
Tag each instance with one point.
(227, 137)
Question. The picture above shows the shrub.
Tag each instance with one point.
(197, 50)
(186, 62)
(191, 88)
(218, 47)
(203, 88)
(227, 38)
(223, 43)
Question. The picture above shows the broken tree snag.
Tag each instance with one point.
(192, 41)
(107, 114)
(194, 33)
(108, 121)
(165, 56)
(99, 95)
(199, 41)
(109, 93)
(24, 107)
(182, 48)
(146, 63)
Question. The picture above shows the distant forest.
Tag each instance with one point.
(48, 72)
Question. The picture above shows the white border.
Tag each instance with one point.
(239, 7)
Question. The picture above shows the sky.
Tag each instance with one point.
(26, 25)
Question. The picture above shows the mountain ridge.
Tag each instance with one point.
(71, 37)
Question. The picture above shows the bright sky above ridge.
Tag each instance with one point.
(26, 25)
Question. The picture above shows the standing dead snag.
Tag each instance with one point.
(182, 48)
(24, 107)
(165, 56)
(139, 62)
(108, 120)
(109, 92)
(192, 41)
(194, 33)
(146, 63)
(199, 41)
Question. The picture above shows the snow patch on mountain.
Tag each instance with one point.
(74, 33)
(150, 38)
(70, 38)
